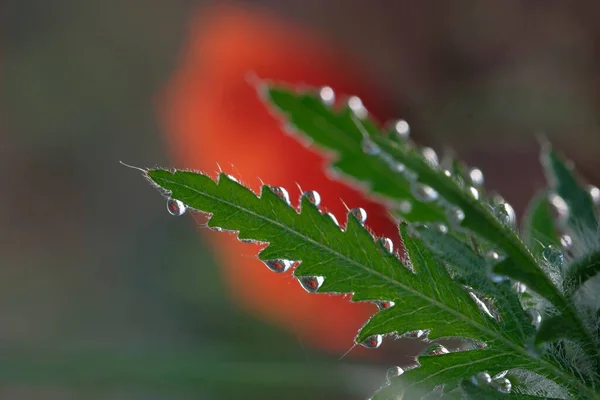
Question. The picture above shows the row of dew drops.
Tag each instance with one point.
(503, 211)
(310, 283)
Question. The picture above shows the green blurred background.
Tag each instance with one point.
(105, 296)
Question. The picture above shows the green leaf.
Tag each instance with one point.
(582, 217)
(340, 133)
(488, 392)
(552, 328)
(538, 226)
(581, 270)
(337, 132)
(351, 261)
(473, 270)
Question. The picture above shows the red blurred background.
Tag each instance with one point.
(105, 296)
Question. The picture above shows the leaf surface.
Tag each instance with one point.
(350, 261)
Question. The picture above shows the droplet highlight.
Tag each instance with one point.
(506, 215)
(595, 194)
(399, 167)
(425, 193)
(560, 208)
(327, 95)
(313, 196)
(393, 372)
(405, 206)
(388, 245)
(176, 207)
(566, 241)
(481, 379)
(430, 156)
(385, 305)
(372, 342)
(502, 385)
(402, 129)
(360, 214)
(500, 374)
(333, 218)
(473, 192)
(520, 287)
(415, 334)
(476, 177)
(311, 283)
(534, 316)
(441, 228)
(232, 178)
(357, 107)
(436, 350)
(279, 266)
(455, 215)
(282, 193)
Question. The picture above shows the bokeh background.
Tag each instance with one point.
(105, 296)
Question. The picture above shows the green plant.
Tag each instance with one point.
(521, 301)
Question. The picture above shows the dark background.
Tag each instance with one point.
(104, 296)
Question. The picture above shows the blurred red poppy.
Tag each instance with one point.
(213, 115)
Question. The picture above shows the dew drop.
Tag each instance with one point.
(357, 107)
(402, 129)
(476, 177)
(414, 334)
(327, 95)
(279, 265)
(399, 167)
(360, 214)
(496, 199)
(566, 242)
(387, 244)
(425, 193)
(492, 255)
(497, 278)
(473, 192)
(534, 316)
(481, 379)
(384, 305)
(282, 193)
(440, 227)
(553, 256)
(369, 147)
(311, 283)
(455, 215)
(560, 207)
(333, 218)
(502, 385)
(372, 342)
(176, 207)
(393, 372)
(506, 215)
(436, 350)
(595, 194)
(405, 206)
(447, 173)
(313, 196)
(520, 287)
(430, 156)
